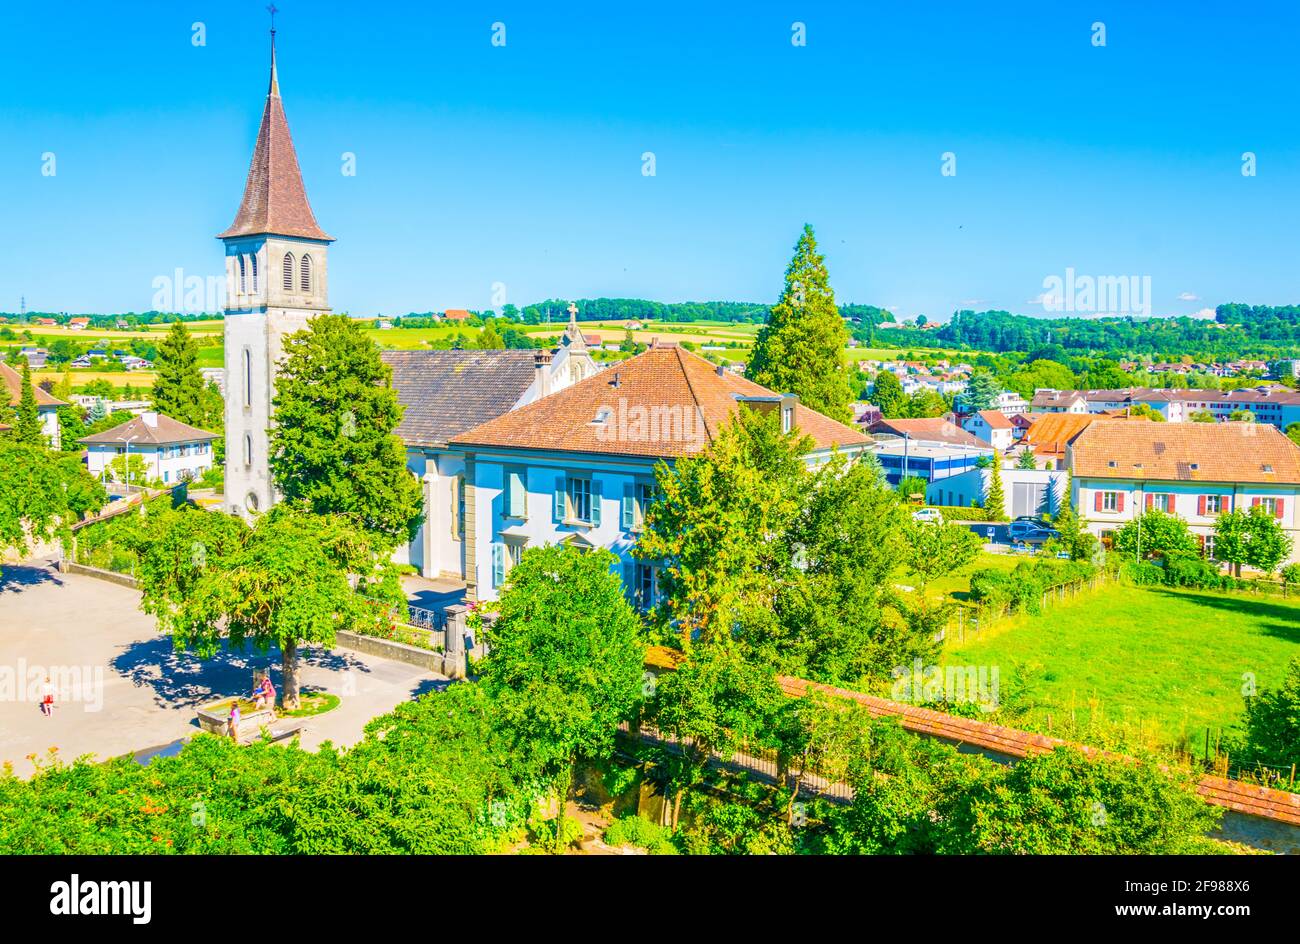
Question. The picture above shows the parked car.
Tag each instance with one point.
(1031, 532)
(929, 515)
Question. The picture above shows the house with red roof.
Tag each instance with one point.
(577, 467)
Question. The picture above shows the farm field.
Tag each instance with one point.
(139, 379)
(1170, 661)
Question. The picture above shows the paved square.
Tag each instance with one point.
(51, 621)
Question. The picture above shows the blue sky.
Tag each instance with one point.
(522, 164)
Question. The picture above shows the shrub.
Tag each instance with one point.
(1190, 570)
(633, 830)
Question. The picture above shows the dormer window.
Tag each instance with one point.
(1112, 464)
(603, 415)
(1267, 468)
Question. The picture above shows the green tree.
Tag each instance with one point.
(566, 660)
(489, 339)
(178, 391)
(1273, 722)
(1144, 411)
(710, 529)
(887, 393)
(1156, 533)
(1293, 433)
(1252, 537)
(981, 392)
(42, 493)
(994, 498)
(933, 549)
(715, 701)
(283, 583)
(1201, 416)
(27, 425)
(801, 348)
(1241, 416)
(1027, 460)
(333, 450)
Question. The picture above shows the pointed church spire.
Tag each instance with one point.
(275, 201)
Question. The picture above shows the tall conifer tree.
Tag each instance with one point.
(801, 348)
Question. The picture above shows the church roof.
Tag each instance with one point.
(447, 392)
(275, 200)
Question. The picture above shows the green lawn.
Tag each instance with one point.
(1171, 661)
(957, 584)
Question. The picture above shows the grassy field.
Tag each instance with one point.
(1171, 661)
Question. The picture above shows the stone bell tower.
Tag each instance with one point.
(276, 281)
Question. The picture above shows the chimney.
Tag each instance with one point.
(542, 372)
(722, 370)
(615, 382)
(150, 419)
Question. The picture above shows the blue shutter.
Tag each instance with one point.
(498, 564)
(629, 506)
(595, 502)
(559, 499)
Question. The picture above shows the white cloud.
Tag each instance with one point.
(1045, 299)
(1204, 313)
(1188, 297)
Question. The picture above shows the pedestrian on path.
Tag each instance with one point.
(47, 698)
(232, 723)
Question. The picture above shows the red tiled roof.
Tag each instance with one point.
(164, 431)
(663, 403)
(935, 429)
(13, 384)
(996, 419)
(275, 200)
(455, 314)
(1170, 452)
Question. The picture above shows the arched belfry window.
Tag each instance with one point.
(248, 448)
(306, 274)
(248, 377)
(253, 260)
(288, 272)
(243, 276)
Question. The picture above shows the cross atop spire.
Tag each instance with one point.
(275, 82)
(275, 201)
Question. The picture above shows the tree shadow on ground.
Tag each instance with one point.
(426, 686)
(14, 578)
(181, 679)
(1283, 621)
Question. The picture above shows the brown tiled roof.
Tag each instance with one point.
(447, 392)
(455, 314)
(935, 429)
(685, 398)
(13, 382)
(996, 419)
(166, 431)
(1207, 452)
(275, 201)
(1050, 434)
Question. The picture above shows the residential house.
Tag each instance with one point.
(577, 467)
(47, 405)
(36, 357)
(172, 451)
(456, 314)
(992, 427)
(445, 393)
(1194, 470)
(78, 324)
(1010, 403)
(1058, 401)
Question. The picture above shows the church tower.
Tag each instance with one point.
(276, 281)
